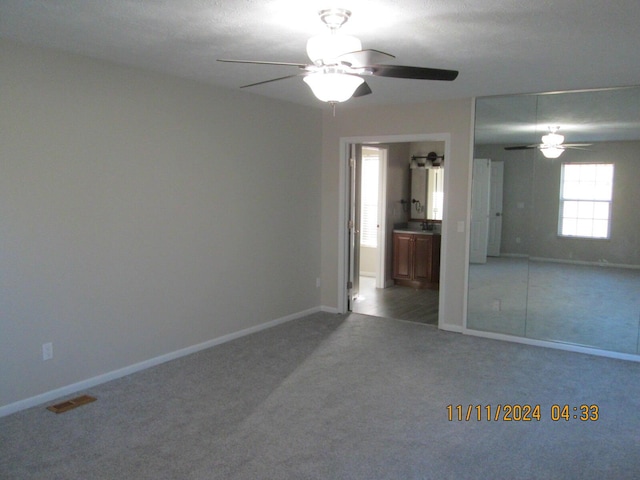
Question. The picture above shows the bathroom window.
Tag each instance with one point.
(369, 201)
(586, 192)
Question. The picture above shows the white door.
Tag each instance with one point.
(355, 172)
(495, 209)
(480, 188)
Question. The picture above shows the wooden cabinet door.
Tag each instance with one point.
(402, 255)
(423, 258)
(435, 259)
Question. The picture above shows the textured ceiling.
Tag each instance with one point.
(499, 46)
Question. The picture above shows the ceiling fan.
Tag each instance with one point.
(339, 63)
(552, 144)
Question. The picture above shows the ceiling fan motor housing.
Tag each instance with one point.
(334, 18)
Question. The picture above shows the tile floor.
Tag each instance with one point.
(401, 303)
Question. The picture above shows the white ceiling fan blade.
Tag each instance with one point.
(260, 62)
(272, 80)
(364, 58)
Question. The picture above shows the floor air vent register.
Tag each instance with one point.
(71, 404)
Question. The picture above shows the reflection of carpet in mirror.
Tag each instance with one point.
(579, 304)
(498, 295)
(400, 303)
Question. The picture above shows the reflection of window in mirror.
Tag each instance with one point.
(436, 194)
(586, 191)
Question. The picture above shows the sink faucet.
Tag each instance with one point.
(427, 226)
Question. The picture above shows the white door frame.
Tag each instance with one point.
(343, 213)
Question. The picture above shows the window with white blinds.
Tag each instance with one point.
(369, 202)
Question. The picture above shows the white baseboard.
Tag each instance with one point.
(581, 262)
(601, 263)
(329, 309)
(569, 347)
(450, 327)
(152, 362)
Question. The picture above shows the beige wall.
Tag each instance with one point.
(368, 261)
(446, 117)
(143, 214)
(397, 190)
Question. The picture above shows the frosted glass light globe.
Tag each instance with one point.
(552, 152)
(333, 87)
(553, 139)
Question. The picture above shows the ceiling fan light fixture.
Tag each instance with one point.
(552, 139)
(338, 60)
(333, 87)
(552, 152)
(325, 48)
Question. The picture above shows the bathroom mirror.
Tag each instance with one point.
(427, 181)
(555, 242)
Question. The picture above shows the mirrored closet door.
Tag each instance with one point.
(555, 231)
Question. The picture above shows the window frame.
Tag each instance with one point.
(593, 200)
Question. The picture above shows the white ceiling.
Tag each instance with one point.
(499, 46)
(589, 116)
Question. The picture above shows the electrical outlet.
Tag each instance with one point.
(318, 282)
(496, 305)
(47, 351)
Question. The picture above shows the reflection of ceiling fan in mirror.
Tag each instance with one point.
(339, 62)
(552, 144)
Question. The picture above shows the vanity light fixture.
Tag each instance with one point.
(430, 160)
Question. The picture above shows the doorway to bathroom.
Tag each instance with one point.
(378, 190)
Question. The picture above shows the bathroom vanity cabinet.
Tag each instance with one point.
(416, 259)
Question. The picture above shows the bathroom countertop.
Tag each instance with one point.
(419, 232)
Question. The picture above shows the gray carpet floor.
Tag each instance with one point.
(584, 305)
(340, 397)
